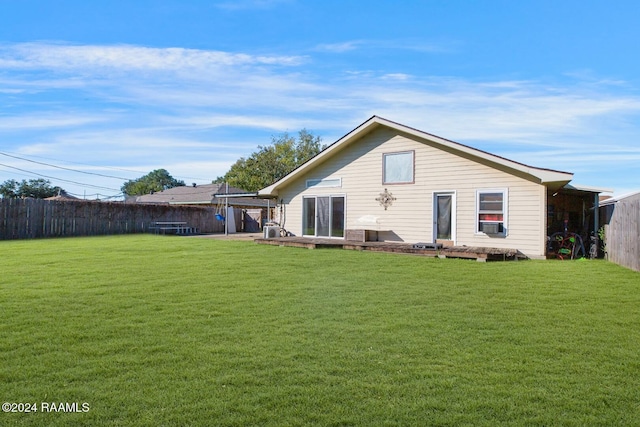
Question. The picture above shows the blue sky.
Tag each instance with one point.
(93, 93)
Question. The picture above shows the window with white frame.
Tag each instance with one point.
(491, 212)
(397, 168)
(324, 182)
(323, 216)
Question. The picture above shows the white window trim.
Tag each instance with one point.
(324, 183)
(344, 217)
(454, 214)
(505, 210)
(413, 167)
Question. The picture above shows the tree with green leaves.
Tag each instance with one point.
(36, 188)
(270, 163)
(156, 180)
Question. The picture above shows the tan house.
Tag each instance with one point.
(404, 185)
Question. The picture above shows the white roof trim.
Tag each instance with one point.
(589, 189)
(232, 195)
(542, 175)
(616, 199)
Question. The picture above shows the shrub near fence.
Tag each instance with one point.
(34, 218)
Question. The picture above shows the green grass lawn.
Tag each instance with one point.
(152, 330)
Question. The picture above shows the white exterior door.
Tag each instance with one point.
(444, 205)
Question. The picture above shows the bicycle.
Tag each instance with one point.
(569, 245)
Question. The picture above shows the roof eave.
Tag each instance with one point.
(367, 126)
(588, 189)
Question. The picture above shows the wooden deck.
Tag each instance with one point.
(477, 253)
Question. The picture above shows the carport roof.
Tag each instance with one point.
(206, 194)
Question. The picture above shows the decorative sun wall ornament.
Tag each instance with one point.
(386, 199)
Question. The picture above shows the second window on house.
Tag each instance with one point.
(397, 168)
(492, 212)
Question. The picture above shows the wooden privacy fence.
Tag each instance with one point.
(622, 231)
(34, 218)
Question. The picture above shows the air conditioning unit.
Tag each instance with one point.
(491, 228)
(271, 232)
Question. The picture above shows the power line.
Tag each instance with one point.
(60, 179)
(83, 164)
(73, 170)
(61, 167)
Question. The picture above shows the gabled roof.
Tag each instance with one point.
(548, 177)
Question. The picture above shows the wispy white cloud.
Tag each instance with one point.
(518, 111)
(49, 121)
(169, 107)
(582, 160)
(250, 4)
(510, 111)
(396, 76)
(414, 45)
(274, 123)
(126, 58)
(135, 149)
(340, 47)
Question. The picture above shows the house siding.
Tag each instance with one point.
(410, 217)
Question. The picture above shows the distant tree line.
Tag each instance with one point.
(36, 188)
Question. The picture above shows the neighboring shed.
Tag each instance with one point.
(620, 217)
(405, 185)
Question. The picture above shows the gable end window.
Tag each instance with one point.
(491, 212)
(398, 168)
(324, 182)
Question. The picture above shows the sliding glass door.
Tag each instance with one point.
(323, 216)
(337, 216)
